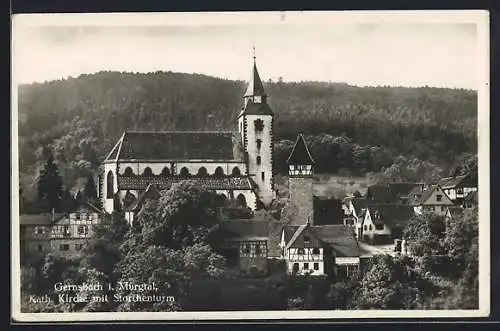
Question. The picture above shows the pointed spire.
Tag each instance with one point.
(255, 86)
(300, 154)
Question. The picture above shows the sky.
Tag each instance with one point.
(366, 49)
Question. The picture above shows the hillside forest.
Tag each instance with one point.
(397, 133)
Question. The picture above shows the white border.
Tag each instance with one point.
(481, 18)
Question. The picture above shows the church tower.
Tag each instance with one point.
(300, 183)
(255, 125)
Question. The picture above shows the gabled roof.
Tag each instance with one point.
(327, 211)
(255, 86)
(454, 181)
(151, 192)
(394, 216)
(177, 145)
(340, 237)
(300, 154)
(359, 204)
(472, 197)
(243, 229)
(210, 183)
(390, 192)
(296, 234)
(40, 219)
(418, 196)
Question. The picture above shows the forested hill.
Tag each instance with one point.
(81, 118)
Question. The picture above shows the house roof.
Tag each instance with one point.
(152, 192)
(40, 219)
(177, 145)
(296, 234)
(245, 229)
(390, 192)
(418, 196)
(471, 197)
(255, 86)
(454, 181)
(359, 204)
(300, 153)
(210, 183)
(327, 211)
(392, 215)
(340, 237)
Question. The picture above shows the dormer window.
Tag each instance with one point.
(259, 125)
(257, 99)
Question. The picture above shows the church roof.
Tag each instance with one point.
(211, 183)
(300, 153)
(176, 145)
(252, 108)
(255, 86)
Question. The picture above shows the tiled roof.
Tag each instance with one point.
(152, 192)
(245, 229)
(252, 108)
(418, 196)
(452, 182)
(360, 204)
(300, 153)
(394, 216)
(177, 145)
(210, 183)
(328, 211)
(340, 237)
(39, 219)
(391, 192)
(296, 234)
(471, 197)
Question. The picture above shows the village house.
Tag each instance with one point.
(309, 248)
(471, 200)
(383, 224)
(238, 165)
(70, 233)
(458, 187)
(58, 233)
(430, 199)
(35, 230)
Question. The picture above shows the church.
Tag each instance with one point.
(236, 165)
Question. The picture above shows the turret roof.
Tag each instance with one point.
(300, 153)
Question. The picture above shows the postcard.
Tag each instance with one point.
(250, 166)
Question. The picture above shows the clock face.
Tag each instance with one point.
(257, 99)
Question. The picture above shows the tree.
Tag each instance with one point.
(90, 191)
(50, 186)
(170, 247)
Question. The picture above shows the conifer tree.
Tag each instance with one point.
(50, 188)
(90, 191)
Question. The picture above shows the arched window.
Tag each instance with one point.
(219, 172)
(148, 172)
(110, 185)
(259, 160)
(128, 172)
(236, 171)
(184, 172)
(241, 201)
(165, 172)
(259, 125)
(202, 172)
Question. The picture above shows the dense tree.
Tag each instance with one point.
(171, 247)
(50, 187)
(369, 126)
